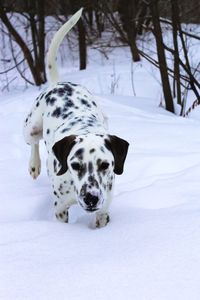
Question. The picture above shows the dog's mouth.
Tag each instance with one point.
(91, 210)
(88, 208)
(90, 202)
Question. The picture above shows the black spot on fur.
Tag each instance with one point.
(72, 124)
(68, 89)
(48, 131)
(55, 166)
(37, 104)
(110, 186)
(92, 181)
(73, 84)
(79, 153)
(102, 149)
(92, 150)
(94, 103)
(85, 102)
(76, 166)
(56, 113)
(48, 94)
(61, 92)
(50, 100)
(55, 193)
(103, 166)
(65, 116)
(64, 130)
(90, 167)
(70, 103)
(101, 135)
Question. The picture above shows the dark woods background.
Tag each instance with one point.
(128, 22)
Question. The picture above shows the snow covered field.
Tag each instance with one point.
(151, 248)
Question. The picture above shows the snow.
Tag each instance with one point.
(151, 248)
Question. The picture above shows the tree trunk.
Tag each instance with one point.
(82, 45)
(175, 20)
(41, 39)
(161, 56)
(127, 10)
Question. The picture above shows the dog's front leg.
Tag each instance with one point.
(35, 162)
(102, 216)
(102, 219)
(62, 207)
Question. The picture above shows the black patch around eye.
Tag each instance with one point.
(80, 168)
(103, 166)
(76, 166)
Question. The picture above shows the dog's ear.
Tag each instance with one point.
(119, 149)
(61, 150)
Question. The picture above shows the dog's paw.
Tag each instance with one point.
(102, 219)
(63, 216)
(35, 168)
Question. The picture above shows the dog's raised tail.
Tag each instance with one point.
(53, 76)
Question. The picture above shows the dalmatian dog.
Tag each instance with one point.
(83, 157)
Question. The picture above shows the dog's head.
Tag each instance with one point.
(92, 161)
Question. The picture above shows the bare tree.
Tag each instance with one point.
(161, 55)
(35, 57)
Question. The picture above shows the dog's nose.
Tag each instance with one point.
(91, 201)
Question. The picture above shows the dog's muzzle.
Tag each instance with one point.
(91, 201)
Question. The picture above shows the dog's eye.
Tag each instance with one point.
(76, 166)
(104, 166)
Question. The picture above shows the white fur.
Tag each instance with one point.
(55, 43)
